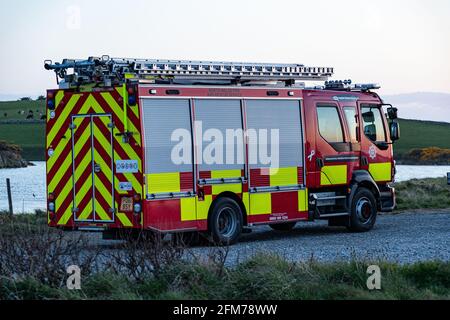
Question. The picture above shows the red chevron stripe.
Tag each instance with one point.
(65, 152)
(103, 203)
(118, 121)
(67, 121)
(68, 174)
(51, 122)
(69, 199)
(118, 148)
(83, 203)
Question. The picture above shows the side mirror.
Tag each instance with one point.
(392, 113)
(394, 130)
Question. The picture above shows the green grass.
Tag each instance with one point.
(432, 193)
(13, 107)
(414, 134)
(417, 134)
(30, 137)
(262, 277)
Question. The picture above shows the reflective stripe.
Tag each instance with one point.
(203, 207)
(380, 171)
(260, 203)
(283, 176)
(217, 174)
(331, 175)
(163, 182)
(303, 200)
(220, 188)
(188, 209)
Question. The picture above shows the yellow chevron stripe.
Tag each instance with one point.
(87, 187)
(118, 110)
(68, 162)
(62, 144)
(61, 118)
(124, 219)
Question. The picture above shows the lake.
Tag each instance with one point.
(28, 184)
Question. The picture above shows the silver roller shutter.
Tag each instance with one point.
(222, 115)
(161, 117)
(283, 115)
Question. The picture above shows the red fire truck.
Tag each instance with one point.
(189, 147)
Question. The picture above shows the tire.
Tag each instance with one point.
(225, 221)
(287, 226)
(363, 212)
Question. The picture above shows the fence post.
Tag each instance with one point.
(8, 189)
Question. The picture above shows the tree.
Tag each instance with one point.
(40, 98)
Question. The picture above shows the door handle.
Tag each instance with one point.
(97, 168)
(364, 161)
(320, 163)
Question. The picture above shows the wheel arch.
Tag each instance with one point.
(363, 179)
(233, 196)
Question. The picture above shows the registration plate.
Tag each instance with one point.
(126, 204)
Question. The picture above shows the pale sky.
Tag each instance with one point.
(402, 44)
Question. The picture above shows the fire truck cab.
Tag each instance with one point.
(214, 147)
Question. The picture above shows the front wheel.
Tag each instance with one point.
(363, 211)
(225, 222)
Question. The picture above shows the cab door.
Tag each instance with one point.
(376, 152)
(334, 148)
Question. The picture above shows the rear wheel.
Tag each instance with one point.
(287, 226)
(225, 221)
(363, 211)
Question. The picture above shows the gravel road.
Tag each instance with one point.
(403, 238)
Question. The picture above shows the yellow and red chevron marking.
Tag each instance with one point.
(59, 166)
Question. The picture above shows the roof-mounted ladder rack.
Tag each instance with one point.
(112, 71)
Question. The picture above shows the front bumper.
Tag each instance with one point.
(387, 199)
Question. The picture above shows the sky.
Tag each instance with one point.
(403, 45)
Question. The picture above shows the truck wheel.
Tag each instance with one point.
(287, 226)
(363, 211)
(225, 221)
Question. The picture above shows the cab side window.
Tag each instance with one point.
(330, 126)
(350, 117)
(373, 123)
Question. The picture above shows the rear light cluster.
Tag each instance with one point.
(51, 104)
(132, 95)
(137, 204)
(51, 205)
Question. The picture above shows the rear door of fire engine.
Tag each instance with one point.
(337, 142)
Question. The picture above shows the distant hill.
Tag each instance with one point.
(422, 105)
(416, 134)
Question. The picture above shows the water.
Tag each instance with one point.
(28, 184)
(27, 188)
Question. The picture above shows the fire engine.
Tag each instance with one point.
(133, 144)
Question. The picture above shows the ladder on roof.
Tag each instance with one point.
(114, 71)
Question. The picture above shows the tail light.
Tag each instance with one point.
(137, 204)
(51, 100)
(132, 96)
(51, 205)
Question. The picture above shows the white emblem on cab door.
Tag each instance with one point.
(372, 152)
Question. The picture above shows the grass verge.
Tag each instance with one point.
(33, 262)
(431, 193)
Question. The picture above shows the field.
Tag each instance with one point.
(417, 134)
(31, 137)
